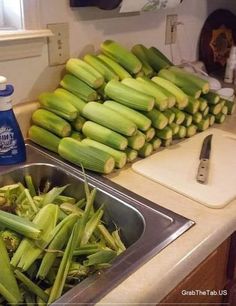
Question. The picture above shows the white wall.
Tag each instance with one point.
(90, 26)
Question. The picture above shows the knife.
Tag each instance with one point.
(203, 168)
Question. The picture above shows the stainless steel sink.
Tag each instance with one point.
(146, 228)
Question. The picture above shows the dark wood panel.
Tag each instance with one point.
(206, 283)
(231, 274)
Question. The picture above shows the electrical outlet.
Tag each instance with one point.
(171, 29)
(58, 44)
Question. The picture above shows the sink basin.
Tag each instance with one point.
(145, 227)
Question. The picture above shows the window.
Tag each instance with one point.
(11, 14)
(21, 34)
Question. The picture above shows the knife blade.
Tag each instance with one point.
(203, 168)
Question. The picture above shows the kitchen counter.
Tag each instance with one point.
(155, 279)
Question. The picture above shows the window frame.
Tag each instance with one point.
(31, 35)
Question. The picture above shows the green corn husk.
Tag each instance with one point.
(20, 225)
(8, 286)
(143, 123)
(78, 123)
(231, 106)
(174, 127)
(58, 105)
(131, 154)
(180, 96)
(104, 135)
(206, 111)
(121, 55)
(77, 135)
(203, 104)
(73, 99)
(182, 132)
(156, 59)
(51, 122)
(203, 125)
(146, 150)
(193, 106)
(64, 267)
(109, 118)
(44, 138)
(78, 88)
(169, 115)
(119, 70)
(107, 236)
(28, 251)
(53, 194)
(71, 209)
(215, 109)
(101, 257)
(197, 117)
(179, 115)
(62, 233)
(187, 120)
(85, 72)
(165, 133)
(87, 249)
(88, 208)
(31, 286)
(118, 241)
(224, 110)
(107, 73)
(166, 142)
(119, 156)
(137, 141)
(220, 118)
(141, 52)
(129, 97)
(191, 130)
(212, 97)
(77, 269)
(156, 143)
(159, 120)
(202, 84)
(146, 86)
(184, 83)
(150, 133)
(81, 154)
(91, 225)
(211, 119)
(30, 185)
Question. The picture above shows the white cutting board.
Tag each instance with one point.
(176, 167)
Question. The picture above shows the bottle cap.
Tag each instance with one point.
(5, 90)
(3, 82)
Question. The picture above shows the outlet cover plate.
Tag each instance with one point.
(171, 29)
(58, 44)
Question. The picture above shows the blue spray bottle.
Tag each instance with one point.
(12, 146)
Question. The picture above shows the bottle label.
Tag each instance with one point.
(7, 141)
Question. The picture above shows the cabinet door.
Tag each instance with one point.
(206, 283)
(230, 299)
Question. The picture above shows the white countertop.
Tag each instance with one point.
(155, 279)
